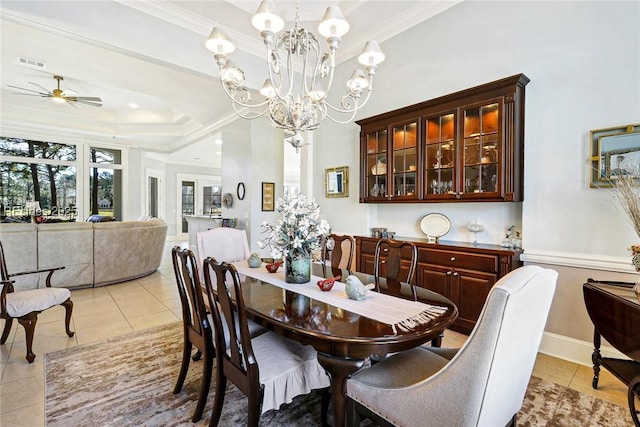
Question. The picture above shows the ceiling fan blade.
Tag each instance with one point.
(41, 87)
(32, 94)
(87, 100)
(29, 90)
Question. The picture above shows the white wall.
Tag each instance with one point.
(236, 146)
(267, 165)
(583, 59)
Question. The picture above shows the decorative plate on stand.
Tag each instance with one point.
(435, 225)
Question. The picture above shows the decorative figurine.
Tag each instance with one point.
(327, 284)
(355, 289)
(274, 266)
(254, 260)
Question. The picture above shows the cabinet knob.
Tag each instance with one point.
(449, 273)
(383, 261)
(455, 273)
(453, 258)
(385, 250)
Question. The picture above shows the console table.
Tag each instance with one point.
(614, 310)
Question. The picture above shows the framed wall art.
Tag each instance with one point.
(268, 196)
(336, 182)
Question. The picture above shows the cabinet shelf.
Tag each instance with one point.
(466, 146)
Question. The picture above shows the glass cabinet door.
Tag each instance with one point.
(404, 146)
(376, 173)
(440, 155)
(481, 149)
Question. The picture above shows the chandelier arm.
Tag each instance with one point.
(289, 66)
(303, 78)
(315, 46)
(341, 122)
(253, 115)
(330, 75)
(358, 102)
(231, 95)
(273, 53)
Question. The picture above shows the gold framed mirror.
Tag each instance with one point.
(336, 182)
(614, 152)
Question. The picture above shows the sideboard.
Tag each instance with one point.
(461, 272)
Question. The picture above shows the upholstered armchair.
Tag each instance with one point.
(26, 305)
(481, 384)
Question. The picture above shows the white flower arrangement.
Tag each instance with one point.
(299, 229)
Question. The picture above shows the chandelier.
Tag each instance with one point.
(300, 76)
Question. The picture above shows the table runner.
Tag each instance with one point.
(401, 314)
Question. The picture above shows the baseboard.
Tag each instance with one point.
(574, 350)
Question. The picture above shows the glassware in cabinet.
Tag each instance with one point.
(376, 171)
(405, 159)
(481, 148)
(440, 155)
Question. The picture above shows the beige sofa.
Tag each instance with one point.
(94, 254)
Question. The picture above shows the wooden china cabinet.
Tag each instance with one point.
(466, 146)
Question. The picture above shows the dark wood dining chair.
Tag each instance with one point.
(394, 261)
(197, 329)
(337, 254)
(269, 369)
(26, 305)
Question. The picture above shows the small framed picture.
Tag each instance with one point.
(336, 182)
(268, 196)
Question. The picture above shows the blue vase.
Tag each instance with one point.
(297, 267)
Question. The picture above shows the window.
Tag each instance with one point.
(43, 181)
(35, 171)
(153, 196)
(105, 182)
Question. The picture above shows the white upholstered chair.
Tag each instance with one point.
(481, 384)
(225, 244)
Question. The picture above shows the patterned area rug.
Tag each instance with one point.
(128, 381)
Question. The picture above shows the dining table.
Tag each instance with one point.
(345, 332)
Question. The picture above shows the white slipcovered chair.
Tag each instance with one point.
(481, 384)
(224, 244)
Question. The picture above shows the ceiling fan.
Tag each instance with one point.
(59, 95)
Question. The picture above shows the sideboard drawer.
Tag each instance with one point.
(369, 246)
(480, 262)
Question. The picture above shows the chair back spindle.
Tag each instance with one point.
(4, 273)
(388, 262)
(337, 254)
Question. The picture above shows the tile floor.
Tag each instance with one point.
(152, 301)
